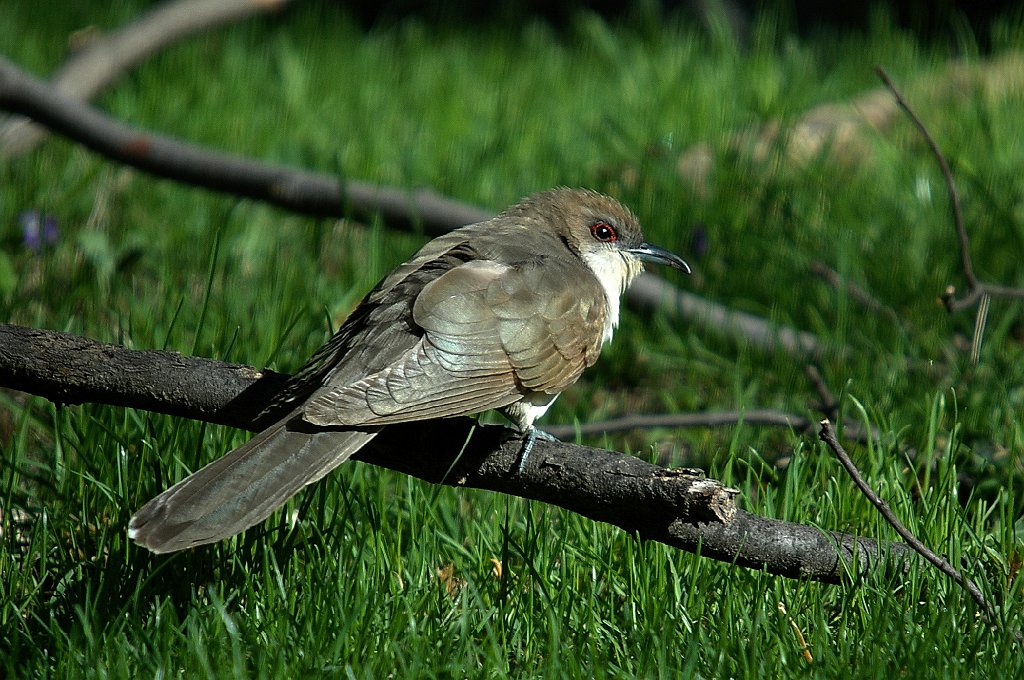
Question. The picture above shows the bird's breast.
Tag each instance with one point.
(614, 272)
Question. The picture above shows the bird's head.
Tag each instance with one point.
(602, 232)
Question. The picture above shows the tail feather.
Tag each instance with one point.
(243, 488)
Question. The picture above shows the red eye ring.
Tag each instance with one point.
(603, 232)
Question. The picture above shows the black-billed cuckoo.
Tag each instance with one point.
(502, 314)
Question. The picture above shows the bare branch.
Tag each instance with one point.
(760, 416)
(652, 292)
(670, 506)
(324, 195)
(71, 369)
(974, 295)
(97, 65)
(297, 190)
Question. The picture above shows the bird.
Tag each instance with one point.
(499, 315)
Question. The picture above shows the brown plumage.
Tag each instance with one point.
(503, 314)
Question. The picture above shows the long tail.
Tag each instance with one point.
(241, 489)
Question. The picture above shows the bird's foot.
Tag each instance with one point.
(529, 439)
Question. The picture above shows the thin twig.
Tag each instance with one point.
(976, 294)
(954, 196)
(828, 435)
(976, 289)
(829, 407)
(763, 416)
(648, 421)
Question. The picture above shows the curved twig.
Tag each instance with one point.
(976, 288)
(828, 435)
(947, 175)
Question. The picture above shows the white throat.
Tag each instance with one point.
(615, 270)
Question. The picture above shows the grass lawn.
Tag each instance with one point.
(372, 574)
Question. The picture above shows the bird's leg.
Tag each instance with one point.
(530, 438)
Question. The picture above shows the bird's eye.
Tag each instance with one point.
(604, 232)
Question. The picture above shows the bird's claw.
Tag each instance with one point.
(529, 439)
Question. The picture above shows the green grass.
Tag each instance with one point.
(383, 575)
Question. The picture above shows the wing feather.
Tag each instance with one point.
(491, 334)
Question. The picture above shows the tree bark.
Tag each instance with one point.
(680, 508)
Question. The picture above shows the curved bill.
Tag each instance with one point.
(649, 252)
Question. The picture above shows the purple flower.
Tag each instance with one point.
(37, 230)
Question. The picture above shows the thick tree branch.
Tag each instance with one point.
(670, 506)
(104, 59)
(71, 369)
(324, 195)
(297, 190)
